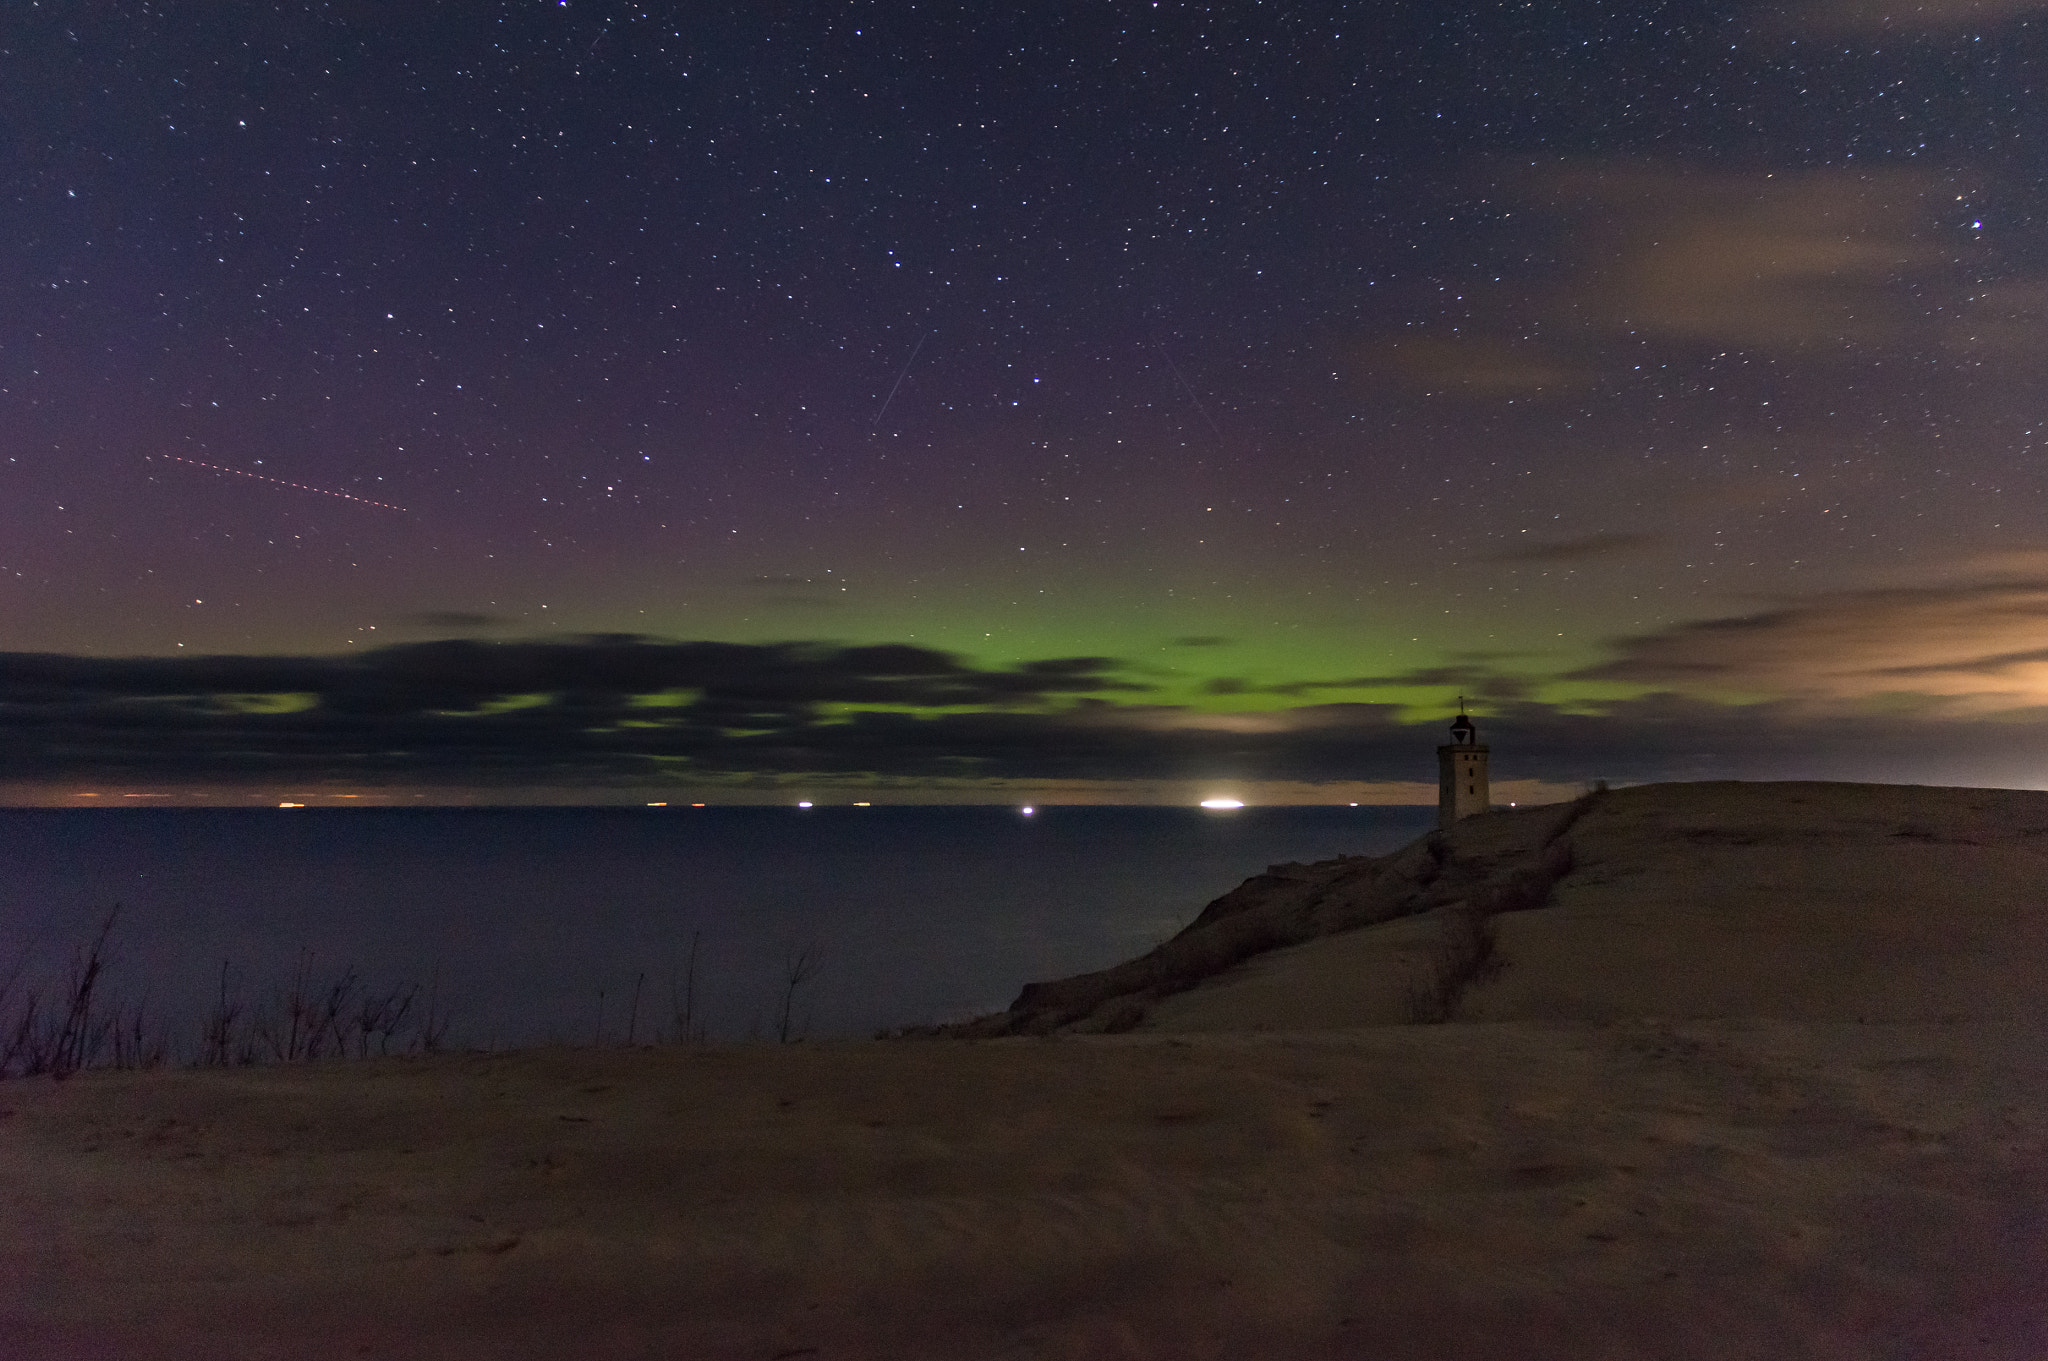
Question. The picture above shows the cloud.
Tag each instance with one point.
(786, 592)
(801, 602)
(1668, 736)
(1479, 675)
(452, 621)
(1476, 682)
(1477, 365)
(1766, 261)
(2004, 319)
(1583, 549)
(1786, 263)
(1969, 646)
(451, 673)
(626, 711)
(1855, 16)
(603, 706)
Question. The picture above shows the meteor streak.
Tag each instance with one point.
(1193, 396)
(899, 382)
(278, 481)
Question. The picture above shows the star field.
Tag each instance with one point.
(1280, 367)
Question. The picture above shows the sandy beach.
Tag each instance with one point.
(1763, 1078)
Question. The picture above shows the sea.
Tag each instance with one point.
(604, 925)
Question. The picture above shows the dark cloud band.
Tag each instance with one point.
(630, 710)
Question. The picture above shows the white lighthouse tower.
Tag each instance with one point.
(1461, 772)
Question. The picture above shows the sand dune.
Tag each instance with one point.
(1765, 1078)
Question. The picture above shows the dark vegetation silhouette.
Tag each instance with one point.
(77, 1023)
(799, 966)
(311, 1017)
(685, 1025)
(74, 1022)
(57, 1031)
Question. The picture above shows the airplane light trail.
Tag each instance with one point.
(278, 481)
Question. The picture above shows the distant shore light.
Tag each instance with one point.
(291, 805)
(805, 804)
(657, 805)
(1027, 810)
(863, 805)
(1222, 803)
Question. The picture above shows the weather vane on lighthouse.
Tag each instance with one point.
(1461, 788)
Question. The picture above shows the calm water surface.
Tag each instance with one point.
(541, 923)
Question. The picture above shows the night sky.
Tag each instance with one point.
(1092, 400)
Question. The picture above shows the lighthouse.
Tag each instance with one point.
(1461, 772)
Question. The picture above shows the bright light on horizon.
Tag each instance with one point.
(805, 804)
(1027, 810)
(1222, 803)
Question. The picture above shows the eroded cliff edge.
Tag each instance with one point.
(1502, 861)
(1806, 900)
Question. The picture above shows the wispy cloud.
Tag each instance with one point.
(2007, 319)
(1478, 366)
(1586, 548)
(1838, 16)
(632, 711)
(453, 621)
(789, 592)
(1972, 646)
(1765, 261)
(1789, 263)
